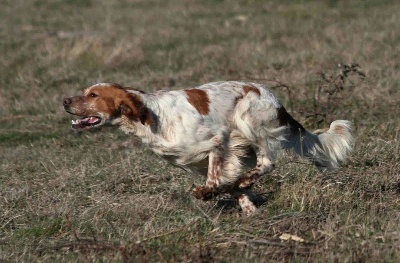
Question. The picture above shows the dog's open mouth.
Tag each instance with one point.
(86, 122)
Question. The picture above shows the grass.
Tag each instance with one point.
(100, 196)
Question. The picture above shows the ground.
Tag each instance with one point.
(99, 196)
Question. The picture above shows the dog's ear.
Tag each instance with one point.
(135, 110)
(146, 117)
(125, 110)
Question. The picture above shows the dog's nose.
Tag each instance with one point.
(67, 101)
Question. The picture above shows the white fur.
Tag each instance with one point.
(242, 128)
(183, 136)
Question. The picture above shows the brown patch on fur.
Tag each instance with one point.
(134, 108)
(215, 172)
(285, 119)
(249, 88)
(246, 90)
(339, 129)
(199, 100)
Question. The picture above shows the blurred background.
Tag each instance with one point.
(92, 196)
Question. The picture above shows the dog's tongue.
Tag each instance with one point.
(91, 120)
(87, 121)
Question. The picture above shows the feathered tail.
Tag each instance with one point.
(327, 150)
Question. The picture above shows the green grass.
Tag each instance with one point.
(99, 196)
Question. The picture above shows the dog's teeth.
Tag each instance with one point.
(73, 122)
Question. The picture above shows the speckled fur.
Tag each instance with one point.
(229, 132)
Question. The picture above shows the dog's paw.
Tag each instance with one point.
(203, 193)
(248, 207)
(245, 183)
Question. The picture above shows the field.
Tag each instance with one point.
(100, 196)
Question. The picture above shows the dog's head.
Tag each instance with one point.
(106, 103)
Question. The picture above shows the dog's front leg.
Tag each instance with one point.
(215, 170)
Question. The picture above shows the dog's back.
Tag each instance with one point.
(218, 129)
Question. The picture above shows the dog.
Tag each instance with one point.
(230, 131)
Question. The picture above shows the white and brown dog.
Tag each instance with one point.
(229, 131)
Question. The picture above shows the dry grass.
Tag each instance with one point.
(99, 196)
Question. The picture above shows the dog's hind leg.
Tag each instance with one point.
(265, 165)
(256, 117)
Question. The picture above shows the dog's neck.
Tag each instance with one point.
(150, 132)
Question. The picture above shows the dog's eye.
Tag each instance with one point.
(93, 95)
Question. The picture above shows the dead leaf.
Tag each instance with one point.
(286, 236)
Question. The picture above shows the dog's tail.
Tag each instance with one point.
(326, 150)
